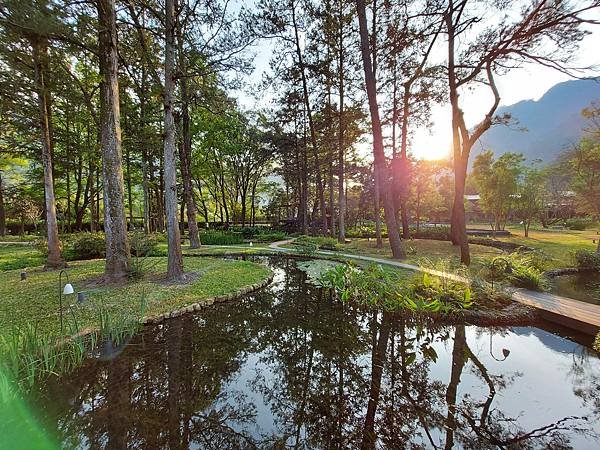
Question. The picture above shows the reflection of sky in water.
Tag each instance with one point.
(261, 370)
(538, 372)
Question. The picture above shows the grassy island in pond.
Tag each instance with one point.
(36, 299)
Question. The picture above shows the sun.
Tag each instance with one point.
(430, 146)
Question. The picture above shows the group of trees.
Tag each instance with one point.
(111, 107)
(509, 187)
(395, 47)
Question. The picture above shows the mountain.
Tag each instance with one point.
(551, 123)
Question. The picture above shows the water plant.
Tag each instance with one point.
(28, 355)
(444, 292)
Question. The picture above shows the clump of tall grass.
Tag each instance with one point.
(28, 355)
(524, 270)
(443, 291)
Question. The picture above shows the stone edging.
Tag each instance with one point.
(200, 305)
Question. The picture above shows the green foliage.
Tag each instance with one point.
(597, 343)
(391, 290)
(587, 259)
(315, 269)
(221, 238)
(439, 232)
(321, 242)
(142, 244)
(579, 224)
(497, 182)
(88, 246)
(524, 270)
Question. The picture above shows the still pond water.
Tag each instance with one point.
(289, 368)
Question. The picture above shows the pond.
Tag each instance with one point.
(582, 286)
(289, 367)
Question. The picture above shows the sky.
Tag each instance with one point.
(527, 83)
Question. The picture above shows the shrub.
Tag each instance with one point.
(578, 224)
(441, 233)
(143, 244)
(41, 244)
(305, 247)
(587, 259)
(221, 238)
(321, 242)
(88, 246)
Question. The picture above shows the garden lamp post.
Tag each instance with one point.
(505, 351)
(66, 290)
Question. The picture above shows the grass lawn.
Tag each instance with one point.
(35, 300)
(19, 256)
(420, 249)
(226, 249)
(558, 245)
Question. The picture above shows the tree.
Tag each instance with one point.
(497, 182)
(380, 164)
(543, 32)
(583, 163)
(530, 200)
(115, 225)
(175, 258)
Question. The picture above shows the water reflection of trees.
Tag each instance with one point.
(330, 376)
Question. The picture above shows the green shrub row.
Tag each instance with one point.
(93, 245)
(221, 238)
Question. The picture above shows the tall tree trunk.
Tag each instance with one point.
(376, 173)
(40, 55)
(378, 153)
(304, 183)
(311, 125)
(2, 209)
(402, 170)
(175, 259)
(341, 129)
(186, 154)
(115, 224)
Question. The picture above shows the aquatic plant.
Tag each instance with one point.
(28, 355)
(392, 290)
(317, 269)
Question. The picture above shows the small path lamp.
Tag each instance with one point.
(66, 290)
(505, 351)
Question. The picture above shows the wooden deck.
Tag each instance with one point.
(562, 310)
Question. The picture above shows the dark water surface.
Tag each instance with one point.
(583, 286)
(288, 368)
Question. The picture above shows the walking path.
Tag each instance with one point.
(565, 311)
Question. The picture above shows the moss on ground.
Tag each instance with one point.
(36, 299)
